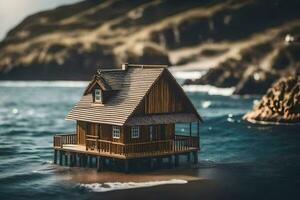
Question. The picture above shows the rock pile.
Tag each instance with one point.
(280, 104)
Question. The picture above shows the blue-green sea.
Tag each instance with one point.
(238, 160)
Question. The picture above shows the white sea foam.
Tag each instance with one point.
(188, 74)
(211, 90)
(111, 186)
(43, 83)
(206, 104)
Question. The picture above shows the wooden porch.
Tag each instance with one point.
(97, 147)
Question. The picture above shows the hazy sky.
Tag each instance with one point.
(13, 12)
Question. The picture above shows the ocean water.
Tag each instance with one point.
(238, 160)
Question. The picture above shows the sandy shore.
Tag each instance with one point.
(79, 175)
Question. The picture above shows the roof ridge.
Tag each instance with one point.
(126, 65)
(147, 66)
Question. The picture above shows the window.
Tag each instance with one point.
(135, 132)
(98, 95)
(116, 132)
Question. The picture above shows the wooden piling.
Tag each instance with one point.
(126, 166)
(159, 162)
(61, 157)
(151, 163)
(90, 161)
(80, 160)
(176, 160)
(195, 154)
(188, 157)
(75, 159)
(83, 160)
(170, 161)
(55, 156)
(99, 164)
(70, 159)
(66, 159)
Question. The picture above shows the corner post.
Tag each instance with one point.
(60, 157)
(188, 157)
(198, 127)
(126, 165)
(170, 161)
(176, 160)
(99, 164)
(195, 154)
(55, 156)
(198, 134)
(66, 159)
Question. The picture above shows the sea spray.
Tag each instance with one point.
(211, 90)
(111, 186)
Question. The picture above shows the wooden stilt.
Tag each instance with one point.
(151, 163)
(170, 161)
(188, 157)
(99, 164)
(55, 156)
(66, 159)
(60, 157)
(83, 160)
(104, 162)
(126, 165)
(70, 159)
(79, 160)
(75, 159)
(90, 161)
(176, 160)
(159, 162)
(195, 154)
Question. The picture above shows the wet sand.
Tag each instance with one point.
(86, 176)
(215, 182)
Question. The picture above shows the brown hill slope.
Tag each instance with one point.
(69, 42)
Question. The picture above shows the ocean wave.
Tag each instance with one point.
(211, 90)
(22, 177)
(258, 122)
(71, 84)
(188, 74)
(111, 186)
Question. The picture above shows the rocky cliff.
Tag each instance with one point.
(246, 43)
(280, 104)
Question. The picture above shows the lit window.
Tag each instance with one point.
(135, 132)
(98, 95)
(116, 132)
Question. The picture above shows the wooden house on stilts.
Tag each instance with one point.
(129, 115)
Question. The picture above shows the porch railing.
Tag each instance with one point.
(60, 140)
(179, 144)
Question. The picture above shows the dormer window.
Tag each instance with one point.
(98, 96)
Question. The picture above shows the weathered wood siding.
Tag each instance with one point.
(81, 132)
(159, 132)
(163, 97)
(103, 131)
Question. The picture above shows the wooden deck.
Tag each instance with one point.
(98, 147)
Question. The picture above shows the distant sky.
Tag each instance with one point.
(13, 12)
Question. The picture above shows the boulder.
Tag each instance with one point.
(281, 103)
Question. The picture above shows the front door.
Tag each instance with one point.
(81, 132)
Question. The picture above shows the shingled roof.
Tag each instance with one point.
(130, 86)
